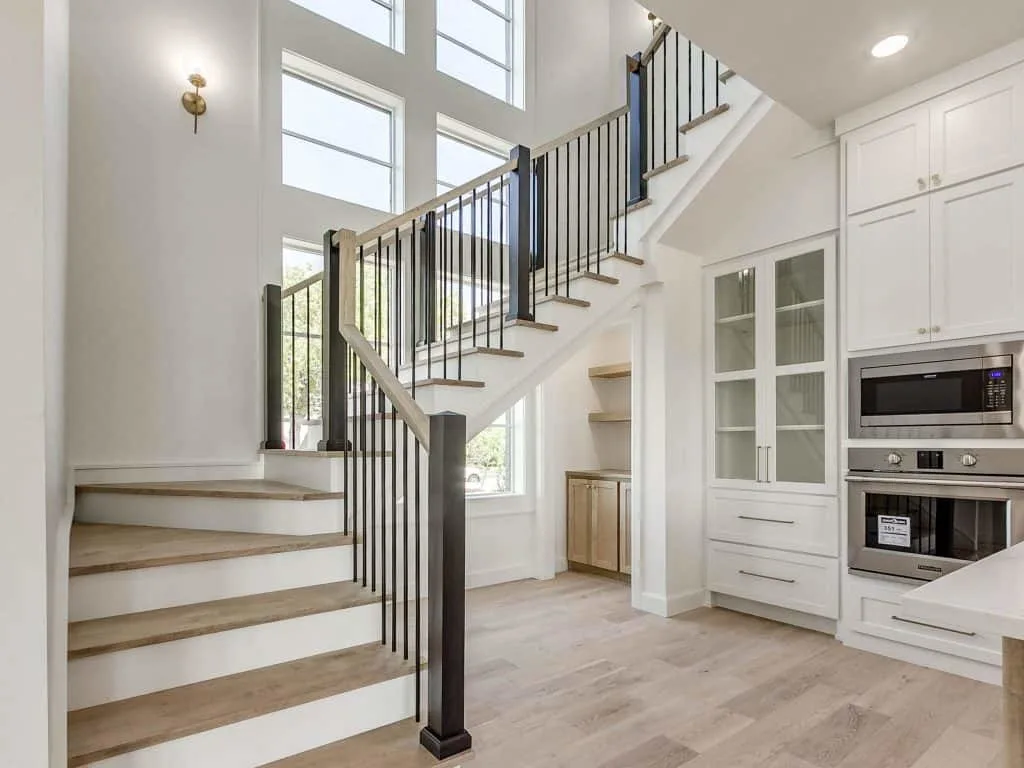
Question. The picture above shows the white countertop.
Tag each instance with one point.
(985, 597)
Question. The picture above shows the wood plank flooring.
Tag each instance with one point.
(98, 548)
(564, 674)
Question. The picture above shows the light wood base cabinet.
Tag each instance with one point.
(597, 524)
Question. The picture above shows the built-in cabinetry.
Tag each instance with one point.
(935, 219)
(772, 514)
(598, 509)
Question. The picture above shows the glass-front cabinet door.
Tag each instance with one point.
(771, 355)
(736, 451)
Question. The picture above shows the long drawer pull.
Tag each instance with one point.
(934, 626)
(770, 578)
(766, 520)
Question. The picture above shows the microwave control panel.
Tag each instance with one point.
(998, 389)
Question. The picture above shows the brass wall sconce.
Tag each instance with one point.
(193, 102)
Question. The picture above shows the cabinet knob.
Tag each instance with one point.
(936, 180)
(922, 184)
(922, 331)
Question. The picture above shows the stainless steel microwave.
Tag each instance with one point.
(971, 392)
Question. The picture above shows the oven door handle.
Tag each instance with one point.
(928, 480)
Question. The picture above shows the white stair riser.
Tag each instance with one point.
(112, 594)
(137, 671)
(295, 518)
(324, 473)
(264, 739)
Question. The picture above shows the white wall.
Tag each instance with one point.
(32, 216)
(781, 185)
(163, 309)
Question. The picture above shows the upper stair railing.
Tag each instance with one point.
(400, 306)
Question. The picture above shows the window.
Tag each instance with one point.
(463, 154)
(477, 44)
(335, 142)
(494, 458)
(300, 260)
(373, 18)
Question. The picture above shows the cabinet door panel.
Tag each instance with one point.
(626, 527)
(978, 129)
(887, 161)
(978, 257)
(604, 534)
(578, 527)
(887, 276)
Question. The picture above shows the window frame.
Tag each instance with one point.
(346, 87)
(396, 41)
(512, 70)
(516, 437)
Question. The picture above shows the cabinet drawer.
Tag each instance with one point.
(884, 617)
(803, 583)
(801, 524)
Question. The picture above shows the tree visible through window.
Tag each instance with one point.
(493, 456)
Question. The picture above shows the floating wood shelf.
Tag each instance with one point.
(616, 371)
(597, 417)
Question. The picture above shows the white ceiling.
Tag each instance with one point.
(814, 55)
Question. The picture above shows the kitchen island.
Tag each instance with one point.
(987, 597)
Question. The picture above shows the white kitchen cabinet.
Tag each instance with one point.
(966, 134)
(887, 276)
(771, 327)
(888, 160)
(978, 129)
(942, 267)
(977, 257)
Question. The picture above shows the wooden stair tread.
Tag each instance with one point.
(393, 746)
(100, 548)
(569, 301)
(602, 417)
(727, 75)
(439, 382)
(533, 324)
(627, 258)
(135, 630)
(639, 205)
(311, 454)
(120, 727)
(613, 371)
(709, 115)
(215, 489)
(667, 167)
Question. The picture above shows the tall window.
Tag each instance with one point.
(494, 458)
(476, 43)
(373, 18)
(337, 143)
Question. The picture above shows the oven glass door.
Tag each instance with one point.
(935, 526)
(956, 392)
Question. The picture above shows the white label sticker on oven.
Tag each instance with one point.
(894, 531)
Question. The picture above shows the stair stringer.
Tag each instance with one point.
(709, 147)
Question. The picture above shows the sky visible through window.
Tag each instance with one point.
(372, 18)
(474, 44)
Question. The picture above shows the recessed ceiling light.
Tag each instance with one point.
(889, 46)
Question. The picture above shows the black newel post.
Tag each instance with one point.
(272, 347)
(445, 734)
(334, 354)
(637, 128)
(519, 236)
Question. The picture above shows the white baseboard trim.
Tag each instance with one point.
(493, 576)
(672, 605)
(774, 613)
(168, 472)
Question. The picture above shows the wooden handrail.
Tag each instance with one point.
(403, 219)
(659, 38)
(581, 131)
(300, 286)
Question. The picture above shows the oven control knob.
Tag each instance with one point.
(969, 460)
(895, 459)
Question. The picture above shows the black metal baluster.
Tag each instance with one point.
(501, 267)
(309, 388)
(689, 81)
(718, 83)
(294, 431)
(458, 283)
(547, 232)
(579, 201)
(568, 213)
(394, 528)
(377, 298)
(675, 127)
(490, 260)
(372, 530)
(445, 299)
(416, 576)
(558, 209)
(625, 202)
(363, 464)
(620, 247)
(472, 268)
(598, 217)
(608, 197)
(382, 467)
(590, 160)
(405, 541)
(350, 495)
(664, 102)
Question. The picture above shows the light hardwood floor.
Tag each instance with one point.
(564, 674)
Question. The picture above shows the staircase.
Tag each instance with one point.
(316, 617)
